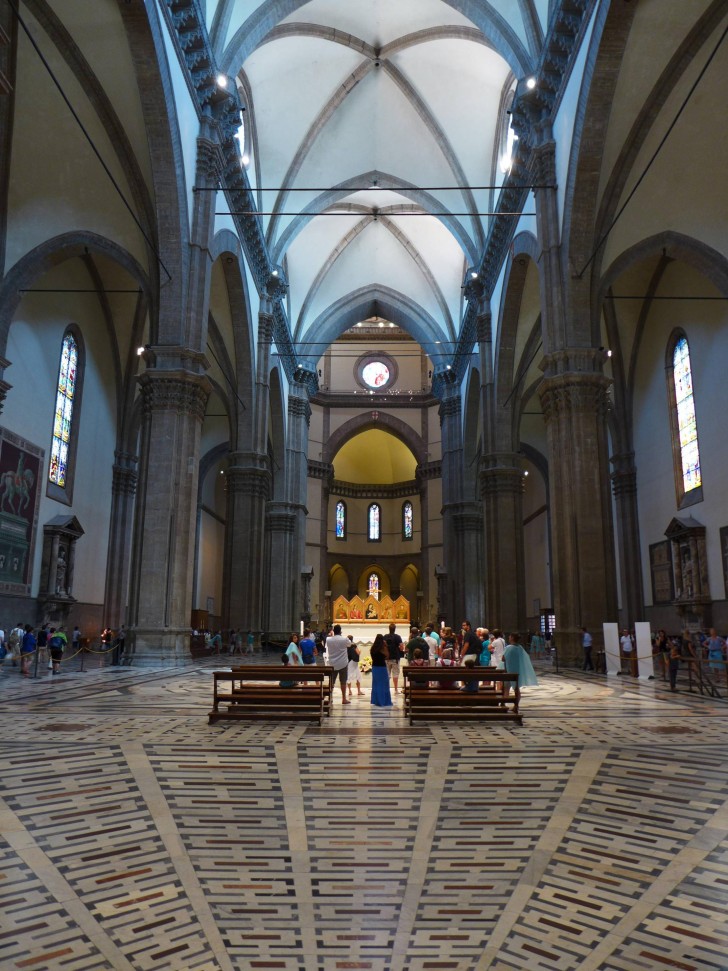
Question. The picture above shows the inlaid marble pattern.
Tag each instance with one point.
(133, 835)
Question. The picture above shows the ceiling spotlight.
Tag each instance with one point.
(222, 81)
(449, 368)
(245, 160)
(531, 83)
(473, 275)
(526, 472)
(274, 273)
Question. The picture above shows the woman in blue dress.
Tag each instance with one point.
(381, 696)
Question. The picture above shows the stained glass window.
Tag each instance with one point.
(686, 424)
(375, 374)
(341, 520)
(63, 418)
(374, 586)
(407, 520)
(374, 525)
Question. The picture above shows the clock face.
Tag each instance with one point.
(375, 374)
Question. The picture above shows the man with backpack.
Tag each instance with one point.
(15, 641)
(57, 643)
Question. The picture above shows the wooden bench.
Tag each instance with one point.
(254, 692)
(428, 694)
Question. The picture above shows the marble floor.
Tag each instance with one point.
(133, 835)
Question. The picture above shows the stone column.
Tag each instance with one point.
(280, 584)
(287, 521)
(574, 401)
(248, 485)
(501, 482)
(624, 488)
(468, 529)
(173, 410)
(123, 492)
(454, 599)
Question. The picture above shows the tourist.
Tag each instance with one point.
(433, 644)
(497, 649)
(716, 650)
(447, 660)
(472, 645)
(472, 684)
(27, 649)
(418, 660)
(381, 696)
(485, 655)
(337, 655)
(674, 664)
(293, 651)
(517, 661)
(286, 684)
(626, 645)
(307, 647)
(353, 674)
(57, 642)
(394, 654)
(586, 643)
(416, 641)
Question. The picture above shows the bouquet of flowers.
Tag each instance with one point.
(365, 664)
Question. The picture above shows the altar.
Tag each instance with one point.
(371, 612)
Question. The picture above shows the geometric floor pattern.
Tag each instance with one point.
(133, 835)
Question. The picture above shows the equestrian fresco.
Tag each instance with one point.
(21, 469)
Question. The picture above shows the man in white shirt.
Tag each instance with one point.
(627, 645)
(337, 655)
(432, 645)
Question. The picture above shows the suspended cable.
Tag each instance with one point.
(649, 296)
(654, 155)
(381, 188)
(87, 136)
(302, 212)
(77, 290)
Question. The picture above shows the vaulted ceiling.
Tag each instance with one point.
(374, 130)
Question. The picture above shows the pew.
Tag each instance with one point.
(254, 692)
(429, 695)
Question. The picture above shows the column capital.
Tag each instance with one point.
(209, 163)
(573, 392)
(501, 480)
(298, 407)
(624, 475)
(450, 407)
(266, 325)
(181, 391)
(124, 474)
(543, 164)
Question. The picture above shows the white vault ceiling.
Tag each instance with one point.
(370, 125)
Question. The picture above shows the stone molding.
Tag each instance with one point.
(265, 328)
(178, 391)
(352, 490)
(429, 470)
(501, 481)
(320, 470)
(124, 474)
(574, 393)
(468, 521)
(299, 408)
(248, 481)
(209, 162)
(624, 476)
(280, 517)
(450, 407)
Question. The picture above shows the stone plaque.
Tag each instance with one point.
(661, 569)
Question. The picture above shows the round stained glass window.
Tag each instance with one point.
(375, 374)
